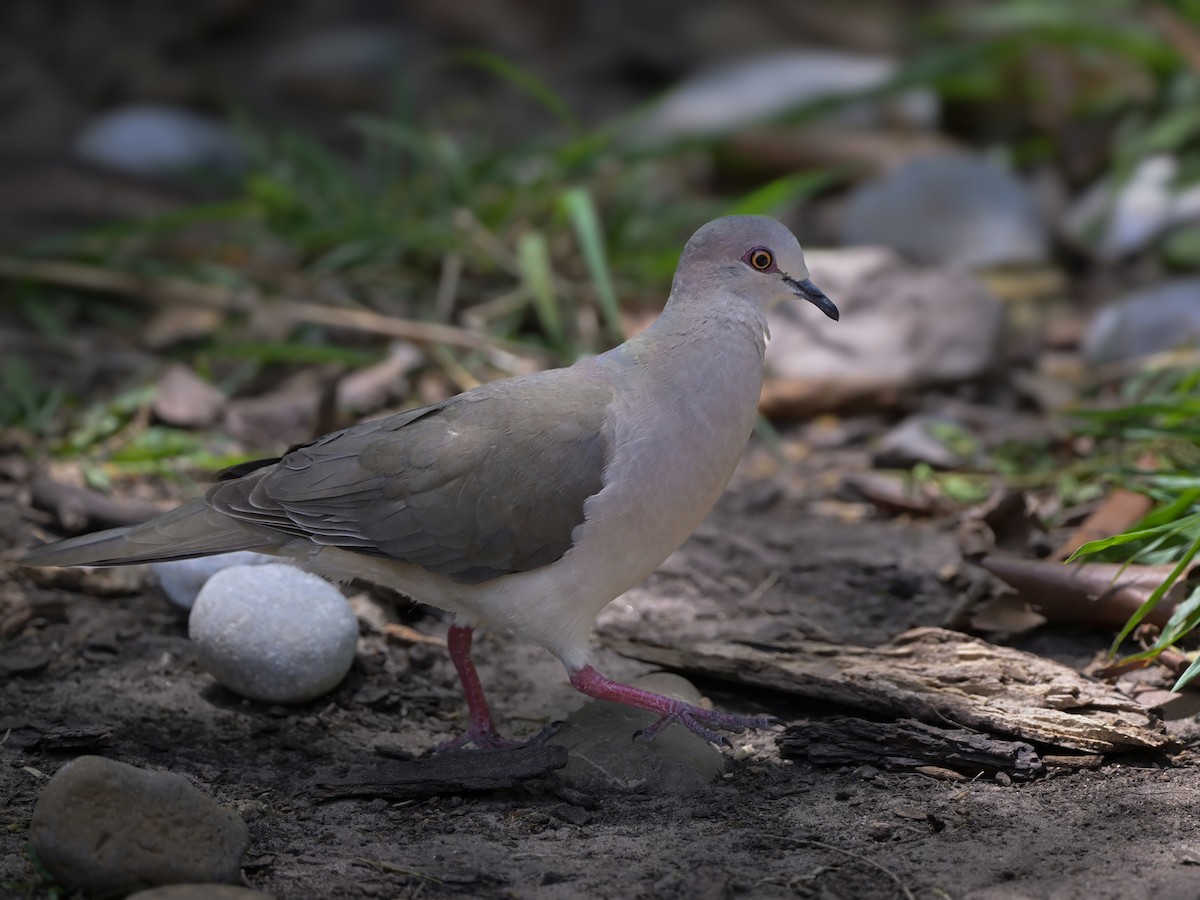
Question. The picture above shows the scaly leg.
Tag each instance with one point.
(696, 719)
(482, 730)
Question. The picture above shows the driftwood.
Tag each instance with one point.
(935, 676)
(909, 745)
(448, 773)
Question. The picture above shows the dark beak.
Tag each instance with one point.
(813, 295)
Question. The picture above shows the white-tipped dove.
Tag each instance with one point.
(527, 504)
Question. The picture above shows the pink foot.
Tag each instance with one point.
(697, 719)
(481, 733)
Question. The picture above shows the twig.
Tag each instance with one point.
(447, 289)
(1176, 32)
(820, 845)
(159, 289)
(397, 870)
(175, 290)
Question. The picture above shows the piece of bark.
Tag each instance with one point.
(448, 773)
(907, 745)
(935, 676)
(73, 738)
(80, 510)
(1101, 594)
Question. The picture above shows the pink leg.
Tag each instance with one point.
(482, 731)
(696, 719)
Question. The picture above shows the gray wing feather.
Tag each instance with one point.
(489, 483)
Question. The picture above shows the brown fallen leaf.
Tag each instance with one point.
(1120, 511)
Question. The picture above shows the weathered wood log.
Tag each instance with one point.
(908, 745)
(935, 676)
(448, 773)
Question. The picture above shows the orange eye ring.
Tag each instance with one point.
(761, 259)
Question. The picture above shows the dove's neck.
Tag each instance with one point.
(699, 369)
(693, 338)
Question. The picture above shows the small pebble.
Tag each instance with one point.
(105, 827)
(973, 214)
(181, 579)
(604, 757)
(151, 139)
(273, 633)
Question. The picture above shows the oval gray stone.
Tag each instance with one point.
(950, 210)
(182, 579)
(273, 633)
(604, 757)
(107, 827)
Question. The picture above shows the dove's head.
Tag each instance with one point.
(752, 258)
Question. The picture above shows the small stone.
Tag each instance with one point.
(347, 66)
(734, 96)
(149, 139)
(186, 400)
(182, 579)
(914, 327)
(1163, 317)
(200, 892)
(273, 633)
(605, 757)
(972, 214)
(106, 827)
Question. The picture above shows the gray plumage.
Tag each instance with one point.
(531, 503)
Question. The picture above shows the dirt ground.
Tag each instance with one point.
(776, 558)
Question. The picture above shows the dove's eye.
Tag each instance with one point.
(761, 259)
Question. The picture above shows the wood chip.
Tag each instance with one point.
(402, 634)
(908, 745)
(448, 773)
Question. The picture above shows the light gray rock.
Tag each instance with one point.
(604, 757)
(349, 65)
(737, 95)
(951, 210)
(182, 579)
(1112, 221)
(105, 827)
(148, 139)
(1158, 318)
(273, 632)
(912, 326)
(200, 892)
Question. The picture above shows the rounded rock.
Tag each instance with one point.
(605, 758)
(273, 633)
(182, 579)
(973, 214)
(151, 139)
(106, 827)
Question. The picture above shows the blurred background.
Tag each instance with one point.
(230, 226)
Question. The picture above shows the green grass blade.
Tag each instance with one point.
(533, 259)
(783, 192)
(1159, 593)
(582, 212)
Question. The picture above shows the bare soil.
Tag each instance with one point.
(775, 559)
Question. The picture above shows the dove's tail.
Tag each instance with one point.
(194, 529)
